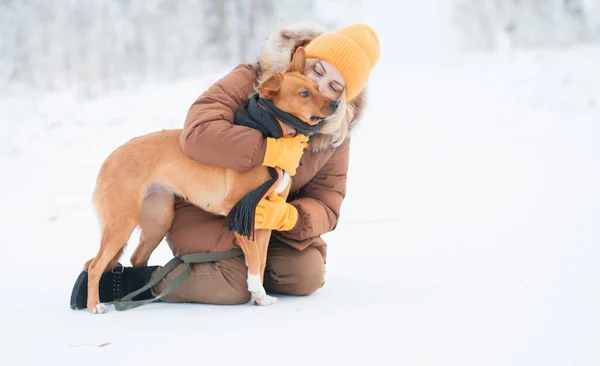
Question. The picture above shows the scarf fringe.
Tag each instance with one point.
(240, 218)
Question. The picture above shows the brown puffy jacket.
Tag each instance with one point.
(210, 137)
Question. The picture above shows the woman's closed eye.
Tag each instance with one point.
(320, 73)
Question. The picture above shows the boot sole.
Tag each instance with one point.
(79, 292)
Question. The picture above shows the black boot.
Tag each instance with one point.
(114, 284)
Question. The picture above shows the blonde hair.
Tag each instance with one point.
(334, 129)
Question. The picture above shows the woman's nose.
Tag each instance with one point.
(323, 88)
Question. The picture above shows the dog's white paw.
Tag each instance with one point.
(264, 300)
(100, 309)
(255, 285)
(259, 295)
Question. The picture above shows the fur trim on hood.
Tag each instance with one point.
(277, 54)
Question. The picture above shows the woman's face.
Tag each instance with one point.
(328, 78)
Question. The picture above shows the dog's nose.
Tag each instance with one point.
(334, 105)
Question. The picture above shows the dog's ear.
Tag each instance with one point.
(269, 88)
(298, 61)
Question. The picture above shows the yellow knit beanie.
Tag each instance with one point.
(353, 50)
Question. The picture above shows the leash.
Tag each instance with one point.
(127, 302)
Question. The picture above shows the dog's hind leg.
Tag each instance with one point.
(114, 239)
(155, 220)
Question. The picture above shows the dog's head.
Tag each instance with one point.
(294, 93)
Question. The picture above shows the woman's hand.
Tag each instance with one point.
(285, 153)
(275, 213)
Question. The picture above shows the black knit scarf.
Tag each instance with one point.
(262, 115)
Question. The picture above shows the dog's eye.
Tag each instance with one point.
(304, 94)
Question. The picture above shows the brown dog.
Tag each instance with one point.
(137, 183)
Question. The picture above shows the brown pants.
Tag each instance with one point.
(288, 271)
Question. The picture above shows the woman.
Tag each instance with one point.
(340, 63)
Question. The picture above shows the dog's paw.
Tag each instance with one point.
(259, 295)
(264, 300)
(99, 309)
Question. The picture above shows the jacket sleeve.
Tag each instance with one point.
(319, 202)
(209, 135)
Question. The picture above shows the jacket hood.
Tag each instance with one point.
(282, 44)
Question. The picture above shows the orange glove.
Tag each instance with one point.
(285, 153)
(275, 213)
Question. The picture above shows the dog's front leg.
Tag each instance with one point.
(256, 255)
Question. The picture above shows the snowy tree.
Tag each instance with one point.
(102, 45)
(525, 23)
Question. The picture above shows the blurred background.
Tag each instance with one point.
(102, 45)
(97, 46)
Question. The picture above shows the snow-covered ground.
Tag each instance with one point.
(469, 235)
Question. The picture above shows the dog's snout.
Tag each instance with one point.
(334, 105)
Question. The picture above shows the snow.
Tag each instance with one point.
(469, 235)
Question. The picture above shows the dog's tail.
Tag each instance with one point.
(240, 218)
